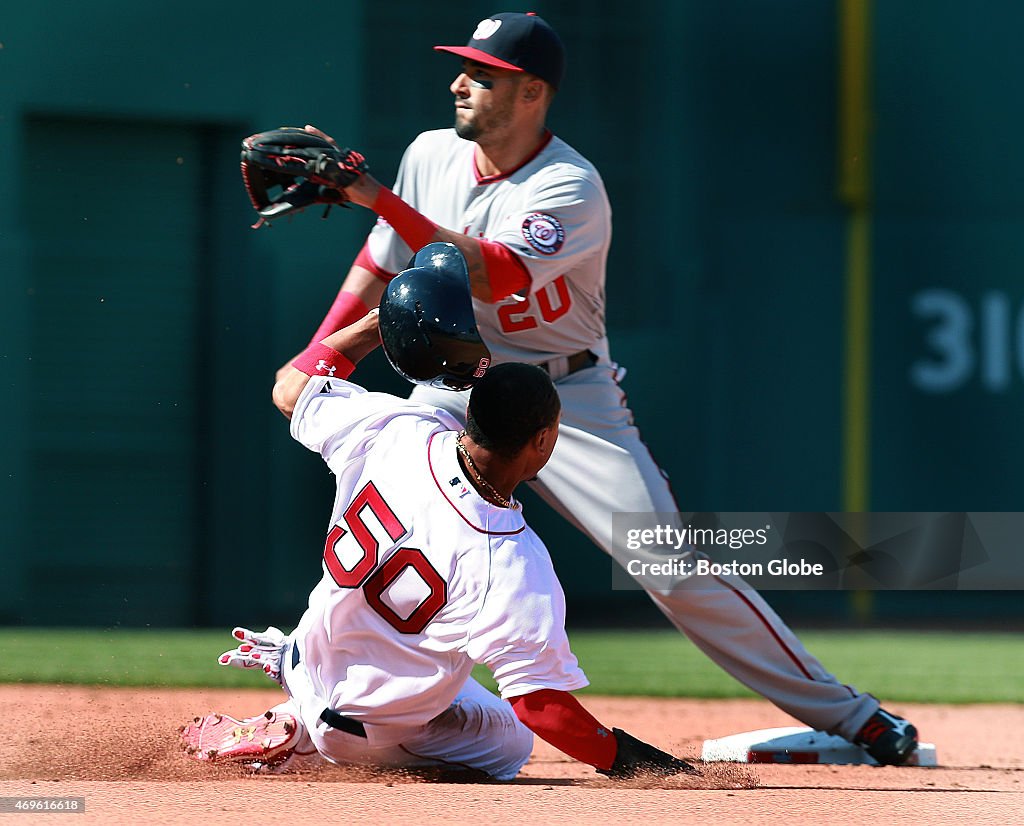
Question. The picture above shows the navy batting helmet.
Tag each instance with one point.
(427, 325)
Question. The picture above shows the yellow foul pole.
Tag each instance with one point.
(855, 192)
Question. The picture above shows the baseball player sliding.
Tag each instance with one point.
(531, 216)
(429, 566)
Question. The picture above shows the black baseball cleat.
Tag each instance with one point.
(887, 738)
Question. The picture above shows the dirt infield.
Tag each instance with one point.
(117, 748)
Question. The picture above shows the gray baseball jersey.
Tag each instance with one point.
(552, 212)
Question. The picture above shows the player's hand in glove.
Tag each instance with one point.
(635, 757)
(305, 163)
(257, 649)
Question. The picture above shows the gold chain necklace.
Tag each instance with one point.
(472, 468)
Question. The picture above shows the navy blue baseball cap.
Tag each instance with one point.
(516, 41)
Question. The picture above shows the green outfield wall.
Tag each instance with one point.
(147, 479)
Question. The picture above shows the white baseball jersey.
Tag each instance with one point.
(422, 576)
(552, 212)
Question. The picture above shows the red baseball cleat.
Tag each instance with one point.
(267, 739)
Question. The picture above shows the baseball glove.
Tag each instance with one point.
(308, 168)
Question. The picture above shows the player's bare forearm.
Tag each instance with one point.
(479, 282)
(354, 343)
(364, 190)
(357, 340)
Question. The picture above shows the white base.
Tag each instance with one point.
(798, 744)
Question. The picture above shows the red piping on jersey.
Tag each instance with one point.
(441, 490)
(365, 260)
(789, 652)
(490, 179)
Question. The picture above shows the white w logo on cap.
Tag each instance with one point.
(485, 28)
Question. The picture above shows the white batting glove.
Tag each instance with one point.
(258, 649)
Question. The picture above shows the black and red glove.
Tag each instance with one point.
(635, 757)
(308, 168)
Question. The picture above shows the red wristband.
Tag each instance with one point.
(320, 360)
(506, 272)
(412, 227)
(346, 309)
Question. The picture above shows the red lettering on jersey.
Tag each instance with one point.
(549, 313)
(368, 497)
(402, 559)
(375, 580)
(517, 316)
(343, 577)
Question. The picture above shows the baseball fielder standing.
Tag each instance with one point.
(428, 568)
(531, 216)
